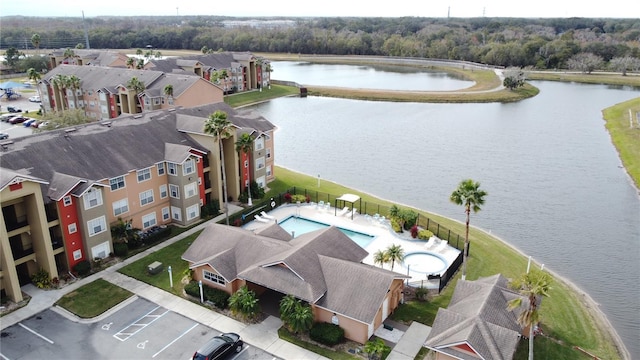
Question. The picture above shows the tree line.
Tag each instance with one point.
(509, 42)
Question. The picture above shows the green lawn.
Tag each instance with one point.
(253, 97)
(93, 299)
(168, 256)
(625, 135)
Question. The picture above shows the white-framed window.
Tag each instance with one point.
(174, 191)
(120, 207)
(260, 163)
(268, 170)
(165, 214)
(259, 143)
(261, 181)
(213, 277)
(117, 183)
(268, 154)
(144, 175)
(146, 197)
(246, 164)
(190, 190)
(72, 228)
(199, 181)
(160, 168)
(193, 212)
(67, 200)
(77, 254)
(97, 226)
(163, 191)
(149, 220)
(172, 168)
(100, 251)
(92, 198)
(189, 167)
(176, 213)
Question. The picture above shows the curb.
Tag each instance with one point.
(75, 318)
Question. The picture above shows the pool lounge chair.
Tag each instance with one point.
(344, 211)
(261, 219)
(320, 205)
(267, 216)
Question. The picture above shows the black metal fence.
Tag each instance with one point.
(363, 207)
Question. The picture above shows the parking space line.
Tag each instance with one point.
(246, 347)
(36, 334)
(176, 339)
(4, 357)
(122, 335)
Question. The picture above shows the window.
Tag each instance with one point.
(160, 167)
(213, 277)
(199, 181)
(148, 220)
(246, 164)
(144, 175)
(268, 170)
(176, 213)
(165, 214)
(268, 153)
(116, 183)
(174, 191)
(146, 197)
(163, 191)
(192, 212)
(259, 143)
(72, 228)
(97, 226)
(92, 198)
(77, 255)
(190, 190)
(188, 167)
(260, 163)
(120, 207)
(172, 168)
(66, 200)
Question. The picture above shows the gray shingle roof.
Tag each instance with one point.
(192, 119)
(478, 316)
(102, 77)
(322, 266)
(217, 61)
(8, 176)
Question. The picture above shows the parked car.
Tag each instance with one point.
(13, 109)
(6, 117)
(219, 347)
(43, 125)
(19, 119)
(35, 98)
(4, 136)
(36, 123)
(28, 122)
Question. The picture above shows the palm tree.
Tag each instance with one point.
(245, 145)
(74, 83)
(301, 319)
(245, 302)
(394, 253)
(287, 307)
(130, 62)
(137, 86)
(531, 285)
(70, 54)
(60, 82)
(375, 348)
(35, 40)
(168, 91)
(380, 257)
(139, 52)
(471, 197)
(34, 76)
(218, 126)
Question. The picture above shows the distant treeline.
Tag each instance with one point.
(541, 43)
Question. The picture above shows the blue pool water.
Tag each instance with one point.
(299, 226)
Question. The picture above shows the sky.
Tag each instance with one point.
(328, 8)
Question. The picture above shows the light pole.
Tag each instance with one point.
(170, 276)
(200, 285)
(318, 180)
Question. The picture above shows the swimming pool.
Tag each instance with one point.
(423, 262)
(299, 225)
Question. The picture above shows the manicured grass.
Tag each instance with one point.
(625, 135)
(93, 299)
(168, 256)
(253, 97)
(328, 353)
(594, 78)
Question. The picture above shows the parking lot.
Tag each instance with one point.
(141, 330)
(23, 103)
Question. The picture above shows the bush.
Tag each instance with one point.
(210, 209)
(192, 289)
(287, 197)
(421, 293)
(410, 217)
(120, 249)
(218, 297)
(299, 198)
(41, 279)
(395, 225)
(82, 268)
(424, 234)
(414, 231)
(327, 334)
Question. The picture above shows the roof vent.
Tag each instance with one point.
(5, 144)
(106, 123)
(137, 116)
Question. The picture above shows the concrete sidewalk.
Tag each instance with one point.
(263, 335)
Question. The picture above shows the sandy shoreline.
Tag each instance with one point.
(590, 305)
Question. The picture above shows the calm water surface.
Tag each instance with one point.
(556, 187)
(366, 76)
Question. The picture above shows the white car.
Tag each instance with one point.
(34, 98)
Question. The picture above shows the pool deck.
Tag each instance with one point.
(384, 235)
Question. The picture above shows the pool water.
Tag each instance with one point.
(299, 226)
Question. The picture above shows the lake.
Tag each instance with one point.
(557, 190)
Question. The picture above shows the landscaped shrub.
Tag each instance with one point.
(193, 289)
(287, 197)
(410, 217)
(414, 231)
(41, 279)
(298, 198)
(395, 225)
(326, 333)
(82, 268)
(424, 234)
(218, 297)
(120, 249)
(210, 209)
(421, 293)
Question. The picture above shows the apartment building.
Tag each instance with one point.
(244, 71)
(106, 93)
(88, 57)
(62, 190)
